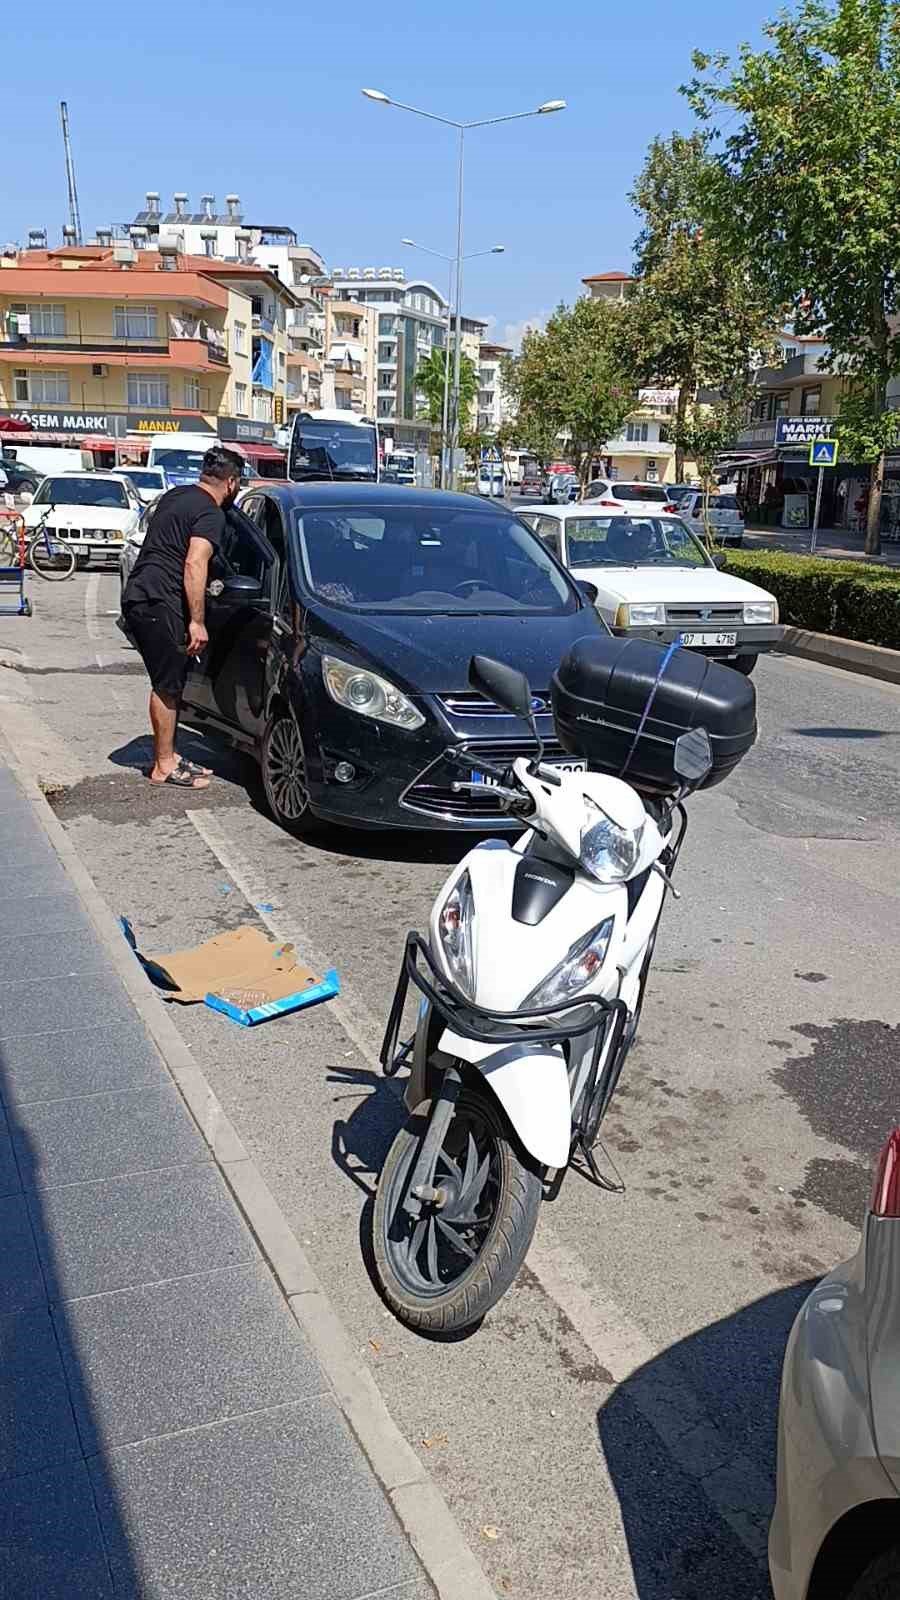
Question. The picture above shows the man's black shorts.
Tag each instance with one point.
(159, 632)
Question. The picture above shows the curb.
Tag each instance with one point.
(420, 1508)
(871, 660)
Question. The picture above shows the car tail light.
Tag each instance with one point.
(614, 503)
(670, 508)
(886, 1188)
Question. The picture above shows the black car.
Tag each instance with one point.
(342, 618)
(19, 478)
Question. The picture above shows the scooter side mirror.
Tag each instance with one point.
(502, 684)
(693, 756)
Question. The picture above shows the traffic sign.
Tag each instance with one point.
(823, 453)
(492, 453)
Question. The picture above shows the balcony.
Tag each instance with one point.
(208, 344)
(638, 447)
(263, 324)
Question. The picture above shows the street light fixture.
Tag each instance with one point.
(462, 129)
(495, 250)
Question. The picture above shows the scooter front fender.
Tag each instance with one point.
(531, 1084)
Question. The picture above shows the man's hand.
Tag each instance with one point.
(197, 638)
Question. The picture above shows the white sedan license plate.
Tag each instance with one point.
(709, 641)
(561, 763)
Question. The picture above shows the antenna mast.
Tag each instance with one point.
(74, 216)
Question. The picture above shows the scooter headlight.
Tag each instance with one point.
(582, 963)
(455, 929)
(608, 852)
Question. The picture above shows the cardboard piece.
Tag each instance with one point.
(242, 973)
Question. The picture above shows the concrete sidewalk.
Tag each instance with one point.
(835, 543)
(165, 1427)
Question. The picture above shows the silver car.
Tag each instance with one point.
(835, 1534)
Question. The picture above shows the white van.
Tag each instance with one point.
(47, 458)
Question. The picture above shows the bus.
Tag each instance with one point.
(334, 446)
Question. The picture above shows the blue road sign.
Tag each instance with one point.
(823, 453)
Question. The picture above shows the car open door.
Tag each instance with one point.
(231, 682)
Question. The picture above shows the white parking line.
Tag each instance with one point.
(92, 606)
(734, 1485)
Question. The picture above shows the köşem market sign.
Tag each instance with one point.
(65, 421)
(801, 430)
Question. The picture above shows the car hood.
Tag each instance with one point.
(81, 516)
(431, 655)
(673, 584)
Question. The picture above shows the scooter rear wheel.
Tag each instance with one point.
(443, 1271)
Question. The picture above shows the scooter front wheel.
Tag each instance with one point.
(442, 1270)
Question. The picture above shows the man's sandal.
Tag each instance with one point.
(184, 776)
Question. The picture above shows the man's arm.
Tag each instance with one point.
(196, 569)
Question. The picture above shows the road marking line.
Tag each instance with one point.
(92, 606)
(350, 1010)
(734, 1485)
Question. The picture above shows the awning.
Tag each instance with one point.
(261, 452)
(763, 458)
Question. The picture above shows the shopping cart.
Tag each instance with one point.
(12, 565)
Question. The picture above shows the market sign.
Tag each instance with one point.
(801, 430)
(251, 432)
(63, 420)
(658, 397)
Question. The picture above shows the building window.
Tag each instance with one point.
(262, 407)
(240, 338)
(636, 432)
(48, 388)
(281, 360)
(148, 392)
(209, 244)
(47, 322)
(20, 384)
(781, 405)
(135, 322)
(387, 325)
(192, 394)
(240, 399)
(811, 401)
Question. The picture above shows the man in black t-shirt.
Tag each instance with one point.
(164, 603)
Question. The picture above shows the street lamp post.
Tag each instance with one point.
(462, 128)
(495, 250)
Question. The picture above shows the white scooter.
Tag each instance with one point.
(532, 984)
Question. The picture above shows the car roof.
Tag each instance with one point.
(590, 508)
(320, 496)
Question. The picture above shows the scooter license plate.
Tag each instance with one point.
(562, 764)
(709, 640)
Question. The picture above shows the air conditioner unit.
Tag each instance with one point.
(99, 369)
(123, 253)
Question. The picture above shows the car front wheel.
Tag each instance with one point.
(284, 775)
(745, 664)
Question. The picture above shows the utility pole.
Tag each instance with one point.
(74, 215)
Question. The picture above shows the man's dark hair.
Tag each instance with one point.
(221, 463)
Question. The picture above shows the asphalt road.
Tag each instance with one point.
(609, 1431)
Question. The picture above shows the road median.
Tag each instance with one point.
(871, 660)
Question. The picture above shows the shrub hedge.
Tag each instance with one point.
(851, 599)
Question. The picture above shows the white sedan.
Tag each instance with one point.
(92, 512)
(614, 494)
(655, 580)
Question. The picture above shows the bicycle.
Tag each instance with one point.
(47, 556)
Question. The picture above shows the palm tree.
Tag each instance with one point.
(429, 378)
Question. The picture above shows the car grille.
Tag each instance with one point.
(469, 704)
(432, 791)
(711, 616)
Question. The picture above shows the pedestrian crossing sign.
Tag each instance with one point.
(823, 453)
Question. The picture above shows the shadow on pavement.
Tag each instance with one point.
(689, 1441)
(52, 1491)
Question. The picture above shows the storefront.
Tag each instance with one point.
(256, 440)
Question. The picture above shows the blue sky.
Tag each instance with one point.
(265, 100)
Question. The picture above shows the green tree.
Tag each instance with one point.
(699, 319)
(706, 432)
(430, 379)
(575, 376)
(529, 427)
(807, 178)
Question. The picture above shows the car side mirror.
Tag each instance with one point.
(239, 588)
(589, 590)
(507, 687)
(719, 559)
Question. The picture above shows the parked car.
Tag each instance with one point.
(638, 497)
(340, 645)
(131, 549)
(19, 479)
(726, 519)
(150, 482)
(531, 485)
(93, 512)
(656, 580)
(560, 488)
(835, 1534)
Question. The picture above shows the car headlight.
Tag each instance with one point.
(761, 611)
(608, 852)
(578, 967)
(641, 616)
(363, 691)
(455, 929)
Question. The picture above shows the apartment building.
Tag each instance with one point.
(408, 319)
(104, 342)
(642, 449)
(492, 407)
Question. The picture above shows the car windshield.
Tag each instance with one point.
(81, 492)
(145, 480)
(180, 460)
(322, 449)
(433, 561)
(632, 542)
(639, 491)
(724, 502)
(678, 492)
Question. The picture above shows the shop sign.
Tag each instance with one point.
(801, 430)
(658, 397)
(237, 428)
(147, 422)
(63, 420)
